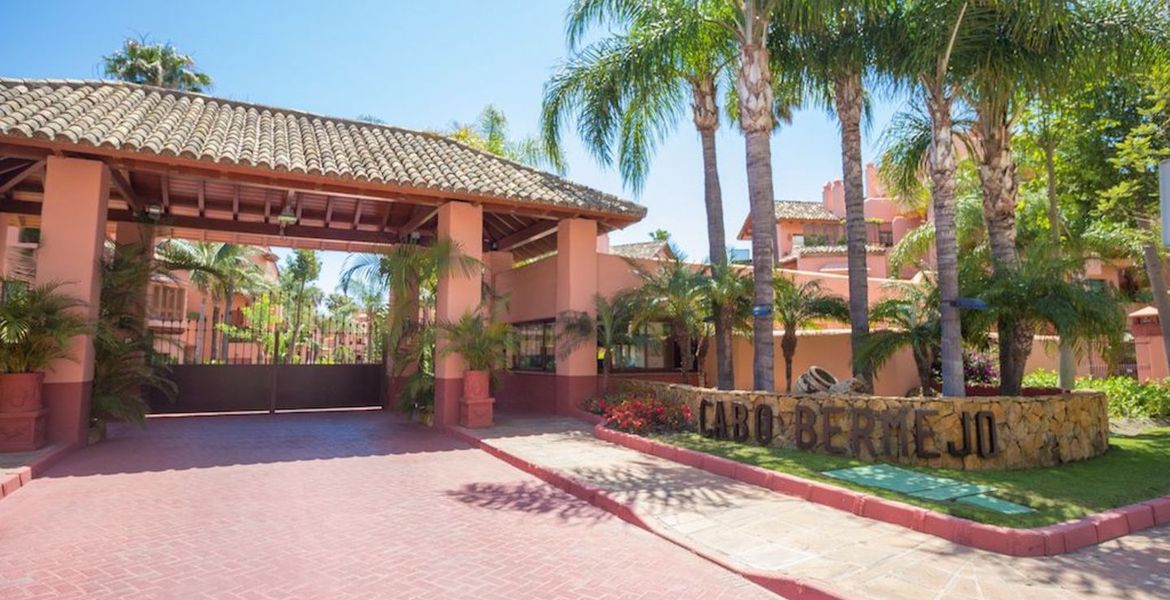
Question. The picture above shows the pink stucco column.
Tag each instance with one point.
(458, 293)
(3, 244)
(576, 288)
(73, 223)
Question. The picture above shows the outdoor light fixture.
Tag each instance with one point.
(154, 212)
(286, 217)
(414, 237)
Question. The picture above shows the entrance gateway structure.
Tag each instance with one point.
(84, 159)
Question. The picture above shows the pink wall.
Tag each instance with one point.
(876, 264)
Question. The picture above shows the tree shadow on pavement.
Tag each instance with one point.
(528, 497)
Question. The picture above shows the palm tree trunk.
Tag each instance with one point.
(706, 117)
(924, 361)
(754, 85)
(1068, 363)
(941, 162)
(227, 315)
(214, 345)
(1153, 260)
(848, 95)
(788, 349)
(997, 174)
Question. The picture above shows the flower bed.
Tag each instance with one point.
(641, 413)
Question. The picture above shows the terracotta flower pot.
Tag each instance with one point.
(21, 392)
(476, 385)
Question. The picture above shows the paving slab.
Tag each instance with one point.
(329, 506)
(852, 556)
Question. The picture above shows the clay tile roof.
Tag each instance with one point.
(641, 250)
(831, 250)
(150, 120)
(808, 211)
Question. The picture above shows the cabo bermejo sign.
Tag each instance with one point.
(962, 433)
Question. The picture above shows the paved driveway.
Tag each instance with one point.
(323, 505)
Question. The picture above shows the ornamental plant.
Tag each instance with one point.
(643, 414)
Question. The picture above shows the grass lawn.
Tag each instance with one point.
(1136, 468)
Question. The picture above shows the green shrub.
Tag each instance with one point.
(1127, 397)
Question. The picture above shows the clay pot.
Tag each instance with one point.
(21, 392)
(476, 385)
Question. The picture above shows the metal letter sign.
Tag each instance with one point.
(1164, 194)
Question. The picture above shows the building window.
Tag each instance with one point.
(536, 350)
(653, 353)
(166, 302)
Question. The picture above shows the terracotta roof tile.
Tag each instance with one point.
(808, 211)
(163, 122)
(641, 250)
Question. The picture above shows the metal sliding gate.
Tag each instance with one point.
(258, 359)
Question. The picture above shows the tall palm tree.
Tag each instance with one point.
(160, 65)
(798, 306)
(918, 46)
(628, 91)
(301, 268)
(841, 51)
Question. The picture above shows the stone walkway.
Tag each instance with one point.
(838, 551)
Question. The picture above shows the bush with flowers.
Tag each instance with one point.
(643, 413)
(599, 405)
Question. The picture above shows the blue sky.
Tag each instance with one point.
(420, 65)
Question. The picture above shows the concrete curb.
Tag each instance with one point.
(788, 587)
(14, 478)
(1050, 540)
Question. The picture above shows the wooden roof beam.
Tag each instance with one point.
(527, 235)
(420, 218)
(121, 182)
(15, 180)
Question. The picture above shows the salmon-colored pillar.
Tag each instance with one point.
(458, 294)
(576, 289)
(3, 245)
(73, 224)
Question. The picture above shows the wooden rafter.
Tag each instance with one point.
(328, 211)
(527, 235)
(422, 214)
(357, 214)
(32, 169)
(122, 182)
(202, 198)
(165, 186)
(236, 203)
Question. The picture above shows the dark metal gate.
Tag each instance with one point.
(255, 359)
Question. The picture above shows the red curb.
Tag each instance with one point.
(1050, 540)
(18, 477)
(666, 451)
(1161, 508)
(788, 587)
(1110, 525)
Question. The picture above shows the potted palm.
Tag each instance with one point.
(37, 324)
(484, 346)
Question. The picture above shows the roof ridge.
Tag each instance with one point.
(293, 111)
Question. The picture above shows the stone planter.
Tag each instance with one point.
(475, 407)
(22, 412)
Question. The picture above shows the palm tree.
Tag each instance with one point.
(489, 133)
(841, 50)
(798, 306)
(611, 328)
(302, 267)
(628, 91)
(918, 45)
(219, 271)
(674, 293)
(160, 65)
(908, 320)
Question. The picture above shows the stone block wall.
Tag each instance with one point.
(983, 433)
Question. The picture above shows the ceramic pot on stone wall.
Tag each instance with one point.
(476, 385)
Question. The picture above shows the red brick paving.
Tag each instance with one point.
(341, 505)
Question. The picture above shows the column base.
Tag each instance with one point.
(68, 406)
(23, 431)
(475, 413)
(572, 390)
(447, 395)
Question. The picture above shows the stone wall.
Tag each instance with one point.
(965, 433)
